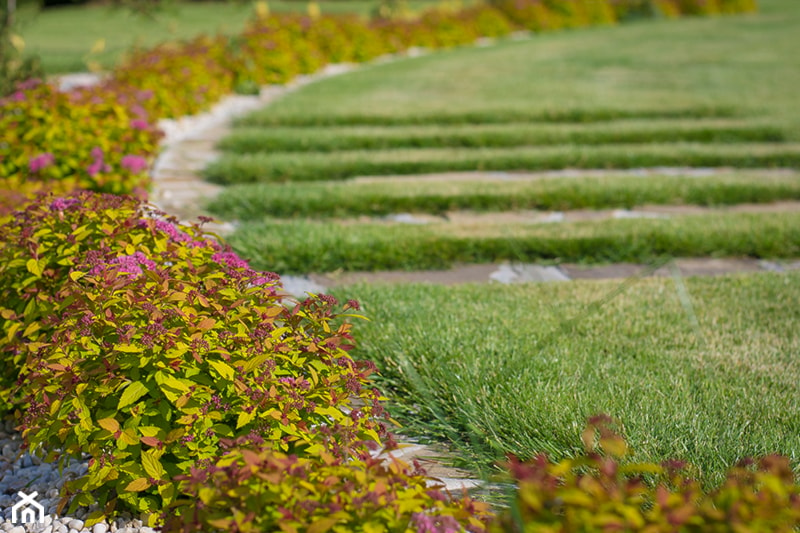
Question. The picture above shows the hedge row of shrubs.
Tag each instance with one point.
(103, 138)
(207, 402)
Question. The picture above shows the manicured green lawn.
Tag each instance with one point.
(744, 62)
(519, 368)
(64, 36)
(323, 246)
(420, 195)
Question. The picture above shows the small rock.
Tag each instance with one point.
(18, 529)
(9, 450)
(101, 527)
(75, 524)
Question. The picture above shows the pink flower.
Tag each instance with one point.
(139, 124)
(129, 264)
(134, 163)
(41, 161)
(97, 165)
(174, 233)
(230, 259)
(59, 204)
(29, 84)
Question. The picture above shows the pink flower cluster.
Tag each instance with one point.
(435, 524)
(139, 124)
(60, 204)
(98, 164)
(230, 259)
(129, 264)
(174, 233)
(134, 163)
(41, 161)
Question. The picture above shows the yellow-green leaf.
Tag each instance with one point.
(138, 485)
(35, 267)
(152, 465)
(224, 369)
(109, 424)
(132, 392)
(245, 418)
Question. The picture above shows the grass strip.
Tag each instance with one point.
(252, 140)
(281, 139)
(343, 199)
(279, 167)
(269, 117)
(307, 246)
(519, 368)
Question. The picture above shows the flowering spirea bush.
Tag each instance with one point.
(598, 492)
(152, 343)
(43, 243)
(179, 78)
(261, 491)
(62, 141)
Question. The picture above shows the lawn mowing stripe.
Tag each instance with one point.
(252, 140)
(342, 199)
(509, 368)
(278, 167)
(307, 246)
(269, 117)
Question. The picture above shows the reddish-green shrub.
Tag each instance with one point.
(267, 491)
(84, 139)
(153, 343)
(487, 21)
(180, 78)
(41, 244)
(597, 492)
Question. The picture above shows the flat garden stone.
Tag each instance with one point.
(524, 273)
(298, 286)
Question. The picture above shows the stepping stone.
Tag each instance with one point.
(619, 270)
(458, 274)
(407, 218)
(625, 213)
(711, 267)
(779, 266)
(522, 273)
(298, 286)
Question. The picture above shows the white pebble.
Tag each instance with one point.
(100, 527)
(18, 529)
